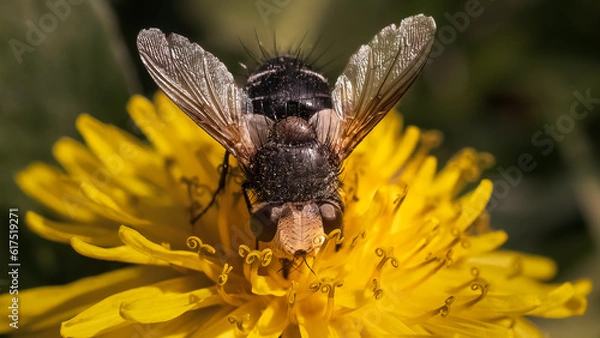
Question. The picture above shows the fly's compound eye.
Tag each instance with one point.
(332, 217)
(263, 222)
(318, 241)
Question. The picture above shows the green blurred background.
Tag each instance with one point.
(507, 77)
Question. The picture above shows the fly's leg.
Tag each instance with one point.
(220, 188)
(245, 188)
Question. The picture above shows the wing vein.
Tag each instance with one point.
(377, 76)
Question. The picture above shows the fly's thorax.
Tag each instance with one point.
(285, 86)
(293, 131)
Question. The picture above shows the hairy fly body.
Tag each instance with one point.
(288, 129)
(292, 172)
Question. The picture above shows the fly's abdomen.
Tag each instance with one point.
(293, 173)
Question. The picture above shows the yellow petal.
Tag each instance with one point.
(56, 190)
(121, 153)
(185, 259)
(180, 327)
(120, 253)
(166, 301)
(425, 175)
(427, 141)
(380, 320)
(64, 232)
(54, 304)
(464, 327)
(186, 134)
(267, 286)
(86, 167)
(463, 167)
(145, 117)
(514, 263)
(315, 327)
(473, 245)
(561, 302)
(492, 305)
(272, 321)
(105, 316)
(473, 204)
(113, 210)
(232, 321)
(525, 329)
(75, 157)
(186, 128)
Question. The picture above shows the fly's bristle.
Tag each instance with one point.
(249, 52)
(303, 53)
(265, 55)
(275, 43)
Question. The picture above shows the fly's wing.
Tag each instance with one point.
(374, 80)
(201, 86)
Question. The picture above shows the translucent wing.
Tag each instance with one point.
(375, 78)
(201, 86)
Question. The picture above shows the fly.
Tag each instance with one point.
(288, 129)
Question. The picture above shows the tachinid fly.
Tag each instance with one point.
(289, 131)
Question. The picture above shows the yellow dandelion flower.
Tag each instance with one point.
(417, 256)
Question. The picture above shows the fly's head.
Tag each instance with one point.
(297, 229)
